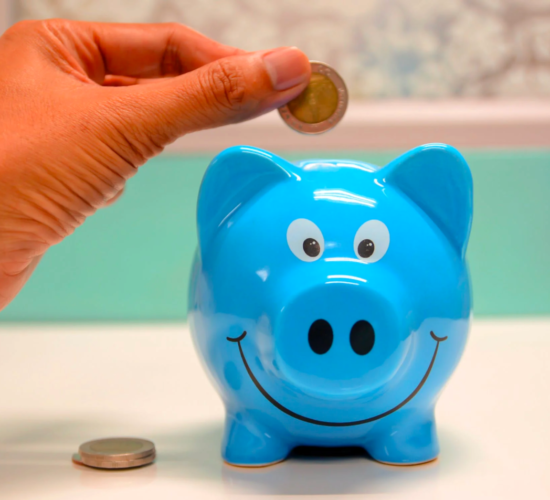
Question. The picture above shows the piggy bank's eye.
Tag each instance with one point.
(305, 240)
(372, 241)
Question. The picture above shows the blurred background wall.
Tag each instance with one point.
(474, 73)
(383, 48)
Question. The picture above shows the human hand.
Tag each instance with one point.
(85, 104)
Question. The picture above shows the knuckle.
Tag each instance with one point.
(66, 31)
(40, 33)
(130, 141)
(24, 25)
(55, 23)
(173, 26)
(56, 27)
(22, 28)
(41, 29)
(226, 85)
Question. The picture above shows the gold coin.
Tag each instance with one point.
(317, 102)
(321, 105)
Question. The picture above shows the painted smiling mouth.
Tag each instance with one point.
(279, 406)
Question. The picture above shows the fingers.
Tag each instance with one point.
(126, 81)
(13, 277)
(115, 198)
(226, 91)
(154, 50)
(132, 50)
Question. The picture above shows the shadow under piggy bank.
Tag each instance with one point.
(340, 471)
(318, 471)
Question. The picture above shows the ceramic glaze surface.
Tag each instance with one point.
(330, 300)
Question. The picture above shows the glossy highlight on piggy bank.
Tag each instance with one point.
(330, 299)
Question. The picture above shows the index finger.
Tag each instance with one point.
(139, 50)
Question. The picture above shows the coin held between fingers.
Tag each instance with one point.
(321, 105)
(286, 67)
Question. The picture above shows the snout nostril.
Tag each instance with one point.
(320, 336)
(362, 337)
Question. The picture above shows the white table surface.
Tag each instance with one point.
(61, 385)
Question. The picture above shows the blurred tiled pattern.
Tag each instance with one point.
(383, 48)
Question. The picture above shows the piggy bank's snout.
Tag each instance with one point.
(340, 338)
(321, 337)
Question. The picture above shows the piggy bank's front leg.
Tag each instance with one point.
(247, 443)
(408, 440)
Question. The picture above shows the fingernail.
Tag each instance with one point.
(286, 67)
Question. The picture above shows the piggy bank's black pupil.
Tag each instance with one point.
(366, 248)
(311, 247)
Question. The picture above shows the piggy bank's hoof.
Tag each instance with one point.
(254, 466)
(407, 464)
(249, 444)
(411, 444)
(399, 457)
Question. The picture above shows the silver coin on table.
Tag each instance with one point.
(116, 453)
(114, 464)
(321, 105)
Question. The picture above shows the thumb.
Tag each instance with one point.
(228, 90)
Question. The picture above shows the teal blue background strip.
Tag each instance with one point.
(131, 261)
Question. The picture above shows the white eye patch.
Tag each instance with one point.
(371, 241)
(305, 240)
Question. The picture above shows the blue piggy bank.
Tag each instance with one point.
(330, 299)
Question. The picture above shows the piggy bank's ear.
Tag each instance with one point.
(233, 178)
(437, 178)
